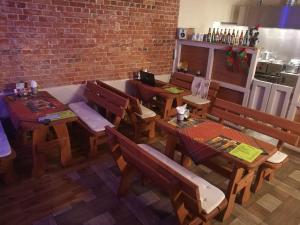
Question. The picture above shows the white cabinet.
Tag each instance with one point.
(271, 98)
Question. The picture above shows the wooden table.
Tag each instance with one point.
(147, 92)
(25, 116)
(241, 173)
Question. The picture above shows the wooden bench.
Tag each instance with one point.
(183, 80)
(141, 117)
(194, 200)
(285, 131)
(111, 105)
(7, 155)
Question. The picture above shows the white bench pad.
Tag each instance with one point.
(278, 157)
(210, 196)
(196, 99)
(146, 113)
(5, 149)
(90, 117)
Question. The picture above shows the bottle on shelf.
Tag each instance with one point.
(213, 36)
(221, 36)
(217, 37)
(232, 38)
(208, 37)
(241, 38)
(224, 37)
(228, 37)
(246, 38)
(236, 39)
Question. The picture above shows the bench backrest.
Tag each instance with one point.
(281, 129)
(182, 80)
(134, 103)
(127, 152)
(113, 104)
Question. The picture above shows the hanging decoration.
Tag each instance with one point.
(230, 58)
(243, 60)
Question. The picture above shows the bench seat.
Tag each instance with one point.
(146, 112)
(278, 157)
(90, 117)
(210, 196)
(5, 149)
(196, 99)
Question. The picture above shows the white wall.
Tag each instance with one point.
(200, 14)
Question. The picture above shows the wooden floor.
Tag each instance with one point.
(85, 194)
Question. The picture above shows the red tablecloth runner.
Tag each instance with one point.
(194, 138)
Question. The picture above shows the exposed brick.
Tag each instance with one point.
(59, 42)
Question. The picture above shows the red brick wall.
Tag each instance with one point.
(58, 42)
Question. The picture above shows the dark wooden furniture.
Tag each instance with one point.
(170, 101)
(183, 193)
(111, 108)
(7, 155)
(285, 131)
(239, 172)
(142, 118)
(25, 120)
(183, 80)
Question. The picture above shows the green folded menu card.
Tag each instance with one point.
(57, 116)
(246, 152)
(174, 90)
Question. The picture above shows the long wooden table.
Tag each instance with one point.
(170, 100)
(24, 113)
(240, 172)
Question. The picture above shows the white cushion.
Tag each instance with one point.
(196, 99)
(210, 196)
(89, 116)
(5, 149)
(146, 113)
(278, 157)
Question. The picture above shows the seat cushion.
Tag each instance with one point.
(196, 99)
(278, 157)
(5, 149)
(146, 113)
(95, 121)
(210, 196)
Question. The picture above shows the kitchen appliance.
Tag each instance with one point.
(285, 16)
(274, 68)
(185, 33)
(289, 79)
(262, 67)
(293, 66)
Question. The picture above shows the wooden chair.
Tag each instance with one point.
(111, 105)
(182, 80)
(7, 155)
(202, 106)
(183, 187)
(285, 131)
(141, 117)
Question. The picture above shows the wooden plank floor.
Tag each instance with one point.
(85, 193)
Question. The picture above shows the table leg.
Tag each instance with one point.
(167, 107)
(236, 176)
(38, 137)
(65, 147)
(246, 191)
(170, 146)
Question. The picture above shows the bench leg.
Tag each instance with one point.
(8, 169)
(93, 146)
(126, 180)
(151, 129)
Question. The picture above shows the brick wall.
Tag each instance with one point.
(58, 42)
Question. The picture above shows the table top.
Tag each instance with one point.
(207, 130)
(25, 111)
(160, 89)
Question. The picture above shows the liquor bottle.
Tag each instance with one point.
(246, 37)
(217, 37)
(241, 38)
(236, 39)
(228, 37)
(213, 36)
(224, 37)
(221, 36)
(232, 38)
(208, 38)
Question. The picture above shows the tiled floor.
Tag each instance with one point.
(86, 194)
